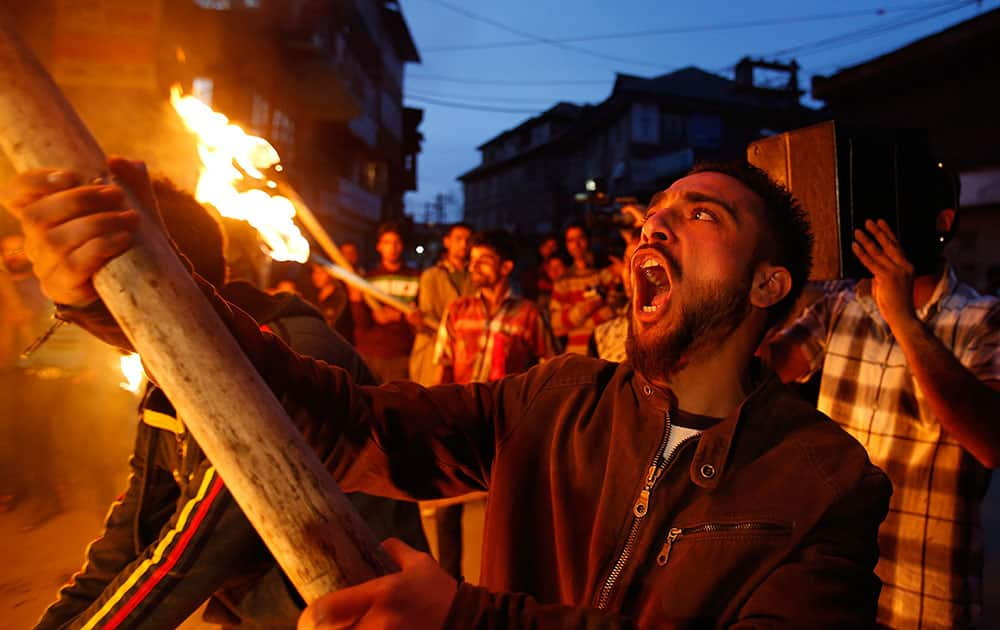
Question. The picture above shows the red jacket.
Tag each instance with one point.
(768, 518)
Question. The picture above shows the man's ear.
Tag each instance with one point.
(771, 284)
(506, 267)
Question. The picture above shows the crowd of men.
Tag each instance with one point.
(670, 478)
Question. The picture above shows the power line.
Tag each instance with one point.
(543, 40)
(805, 49)
(679, 30)
(476, 81)
(486, 98)
(852, 37)
(472, 106)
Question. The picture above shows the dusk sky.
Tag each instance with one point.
(488, 66)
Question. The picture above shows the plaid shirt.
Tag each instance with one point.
(480, 348)
(932, 541)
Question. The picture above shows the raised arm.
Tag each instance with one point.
(965, 403)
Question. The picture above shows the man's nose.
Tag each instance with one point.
(656, 228)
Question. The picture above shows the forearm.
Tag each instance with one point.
(98, 321)
(965, 406)
(440, 442)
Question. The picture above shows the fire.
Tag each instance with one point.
(229, 156)
(131, 366)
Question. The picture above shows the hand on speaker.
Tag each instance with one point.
(892, 285)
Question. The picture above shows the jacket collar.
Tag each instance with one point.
(710, 460)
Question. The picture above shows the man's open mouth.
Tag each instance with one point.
(652, 282)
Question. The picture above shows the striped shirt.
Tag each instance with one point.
(931, 541)
(394, 339)
(570, 307)
(482, 348)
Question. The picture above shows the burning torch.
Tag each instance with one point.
(311, 529)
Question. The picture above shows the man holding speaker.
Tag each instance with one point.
(910, 366)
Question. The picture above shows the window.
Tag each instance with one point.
(645, 123)
(283, 132)
(705, 131)
(540, 134)
(260, 114)
(674, 127)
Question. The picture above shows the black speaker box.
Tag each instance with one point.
(843, 175)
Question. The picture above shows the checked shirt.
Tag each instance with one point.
(480, 348)
(932, 541)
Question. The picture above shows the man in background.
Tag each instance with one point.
(483, 338)
(910, 362)
(535, 283)
(440, 285)
(382, 334)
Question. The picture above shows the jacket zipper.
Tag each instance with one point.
(640, 508)
(676, 532)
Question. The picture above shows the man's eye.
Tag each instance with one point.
(701, 214)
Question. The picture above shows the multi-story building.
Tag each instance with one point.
(634, 143)
(322, 81)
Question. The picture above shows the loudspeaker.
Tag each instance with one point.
(843, 175)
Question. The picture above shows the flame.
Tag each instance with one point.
(222, 146)
(131, 366)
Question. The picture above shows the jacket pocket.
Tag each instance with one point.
(756, 528)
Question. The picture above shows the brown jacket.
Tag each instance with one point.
(768, 519)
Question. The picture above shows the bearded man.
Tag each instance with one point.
(685, 486)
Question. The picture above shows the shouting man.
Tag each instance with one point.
(684, 486)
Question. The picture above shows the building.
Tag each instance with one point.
(945, 83)
(647, 133)
(321, 80)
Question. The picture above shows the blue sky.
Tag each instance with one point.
(471, 90)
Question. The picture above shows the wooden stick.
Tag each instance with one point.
(343, 270)
(369, 289)
(305, 214)
(314, 533)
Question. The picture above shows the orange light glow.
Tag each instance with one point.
(228, 156)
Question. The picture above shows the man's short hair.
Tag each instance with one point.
(455, 226)
(787, 240)
(498, 240)
(389, 226)
(194, 229)
(558, 255)
(580, 225)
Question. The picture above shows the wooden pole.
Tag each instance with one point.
(343, 269)
(369, 289)
(306, 521)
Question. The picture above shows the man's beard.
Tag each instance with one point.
(481, 281)
(717, 312)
